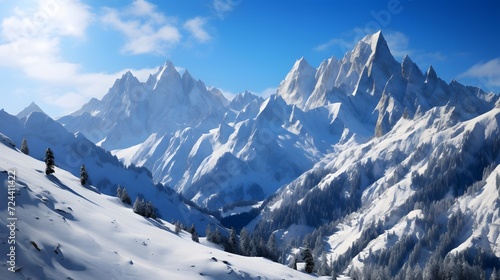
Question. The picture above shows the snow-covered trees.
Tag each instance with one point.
(194, 235)
(208, 232)
(308, 259)
(244, 241)
(24, 147)
(144, 209)
(84, 176)
(122, 194)
(49, 161)
(139, 206)
(232, 243)
(178, 227)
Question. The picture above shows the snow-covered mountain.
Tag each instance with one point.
(213, 152)
(426, 190)
(382, 169)
(131, 111)
(65, 231)
(105, 171)
(217, 153)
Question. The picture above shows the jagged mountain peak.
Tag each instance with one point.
(186, 75)
(410, 70)
(431, 74)
(369, 45)
(167, 72)
(33, 107)
(301, 64)
(127, 74)
(188, 81)
(298, 84)
(375, 40)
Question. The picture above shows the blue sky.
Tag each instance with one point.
(60, 53)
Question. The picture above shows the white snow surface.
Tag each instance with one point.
(81, 234)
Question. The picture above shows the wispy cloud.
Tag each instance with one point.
(31, 43)
(342, 43)
(32, 40)
(398, 44)
(223, 7)
(488, 73)
(196, 27)
(267, 92)
(146, 30)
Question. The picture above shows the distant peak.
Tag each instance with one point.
(407, 59)
(407, 63)
(409, 69)
(186, 75)
(169, 63)
(33, 107)
(169, 67)
(127, 74)
(431, 74)
(301, 64)
(375, 40)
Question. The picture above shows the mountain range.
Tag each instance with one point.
(383, 170)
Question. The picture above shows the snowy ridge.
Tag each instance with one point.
(384, 170)
(382, 180)
(106, 172)
(217, 153)
(66, 231)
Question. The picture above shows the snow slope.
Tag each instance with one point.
(106, 172)
(66, 231)
(385, 181)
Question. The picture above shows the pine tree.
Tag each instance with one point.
(217, 236)
(232, 242)
(324, 269)
(332, 269)
(208, 233)
(124, 197)
(271, 247)
(149, 210)
(119, 191)
(49, 161)
(194, 237)
(139, 206)
(84, 176)
(309, 260)
(24, 147)
(192, 229)
(244, 242)
(252, 249)
(494, 274)
(178, 227)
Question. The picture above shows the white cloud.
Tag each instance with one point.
(267, 92)
(342, 43)
(144, 8)
(222, 7)
(488, 73)
(196, 28)
(30, 43)
(145, 29)
(398, 44)
(32, 35)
